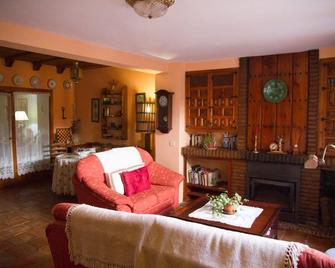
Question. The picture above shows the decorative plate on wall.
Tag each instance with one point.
(51, 83)
(17, 80)
(2, 77)
(35, 82)
(67, 84)
(275, 90)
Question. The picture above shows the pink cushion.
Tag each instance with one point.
(135, 181)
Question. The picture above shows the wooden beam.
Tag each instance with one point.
(9, 60)
(38, 63)
(60, 68)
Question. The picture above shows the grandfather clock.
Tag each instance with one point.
(164, 110)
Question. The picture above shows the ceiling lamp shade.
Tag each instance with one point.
(75, 72)
(150, 8)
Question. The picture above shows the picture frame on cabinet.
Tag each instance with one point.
(95, 110)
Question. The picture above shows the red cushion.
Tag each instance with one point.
(313, 258)
(135, 181)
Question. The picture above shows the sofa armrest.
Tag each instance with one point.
(59, 210)
(160, 175)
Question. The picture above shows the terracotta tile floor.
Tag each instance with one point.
(25, 212)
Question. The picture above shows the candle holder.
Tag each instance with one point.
(255, 151)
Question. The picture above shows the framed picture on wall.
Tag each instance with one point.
(140, 97)
(95, 110)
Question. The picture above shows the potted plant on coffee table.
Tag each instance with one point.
(223, 204)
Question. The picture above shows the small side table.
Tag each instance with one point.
(64, 169)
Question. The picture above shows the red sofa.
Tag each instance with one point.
(58, 244)
(165, 192)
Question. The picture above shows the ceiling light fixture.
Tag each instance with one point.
(150, 8)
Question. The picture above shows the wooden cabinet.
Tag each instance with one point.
(327, 104)
(211, 100)
(114, 113)
(287, 118)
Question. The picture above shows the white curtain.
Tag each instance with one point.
(32, 135)
(6, 155)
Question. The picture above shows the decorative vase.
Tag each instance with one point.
(229, 209)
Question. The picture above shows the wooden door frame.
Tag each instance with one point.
(11, 91)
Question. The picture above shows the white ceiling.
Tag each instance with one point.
(191, 30)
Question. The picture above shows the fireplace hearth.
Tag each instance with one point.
(277, 183)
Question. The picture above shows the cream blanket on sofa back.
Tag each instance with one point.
(106, 238)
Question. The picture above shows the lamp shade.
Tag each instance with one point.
(21, 116)
(150, 8)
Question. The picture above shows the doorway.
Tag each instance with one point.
(24, 133)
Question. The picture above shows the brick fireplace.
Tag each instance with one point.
(295, 119)
(277, 183)
(307, 187)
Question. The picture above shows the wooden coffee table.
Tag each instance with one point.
(264, 225)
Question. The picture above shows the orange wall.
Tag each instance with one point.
(91, 85)
(327, 52)
(61, 96)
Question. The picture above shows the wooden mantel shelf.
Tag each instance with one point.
(222, 154)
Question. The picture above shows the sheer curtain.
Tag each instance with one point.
(6, 155)
(32, 132)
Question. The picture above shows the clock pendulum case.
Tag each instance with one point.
(164, 110)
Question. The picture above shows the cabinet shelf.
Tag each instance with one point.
(114, 113)
(219, 159)
(220, 187)
(112, 104)
(112, 116)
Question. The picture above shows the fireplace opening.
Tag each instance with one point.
(275, 183)
(278, 192)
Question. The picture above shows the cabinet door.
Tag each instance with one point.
(327, 105)
(223, 100)
(197, 102)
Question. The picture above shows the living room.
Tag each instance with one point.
(272, 136)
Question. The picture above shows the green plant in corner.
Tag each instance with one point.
(223, 202)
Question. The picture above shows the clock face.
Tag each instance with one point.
(162, 101)
(273, 147)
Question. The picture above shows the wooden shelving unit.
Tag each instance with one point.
(211, 100)
(327, 105)
(114, 113)
(196, 190)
